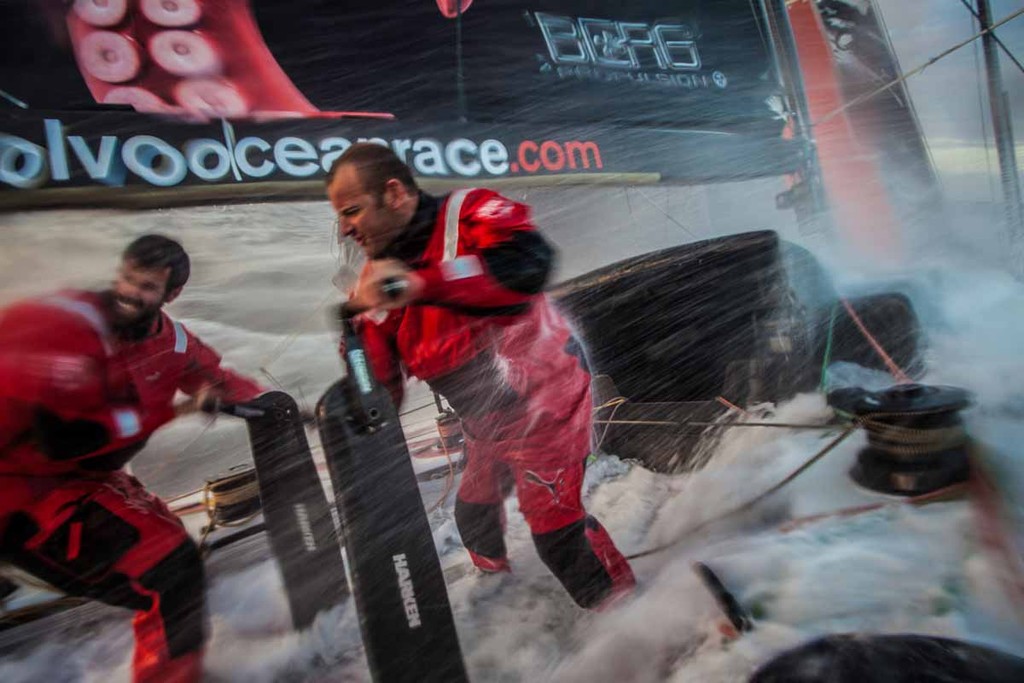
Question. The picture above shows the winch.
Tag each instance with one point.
(449, 426)
(916, 440)
(233, 497)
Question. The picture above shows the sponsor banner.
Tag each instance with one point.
(684, 64)
(61, 149)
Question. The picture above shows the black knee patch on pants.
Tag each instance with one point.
(567, 553)
(180, 580)
(103, 539)
(480, 528)
(87, 576)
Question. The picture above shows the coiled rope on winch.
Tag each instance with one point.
(897, 439)
(930, 434)
(230, 500)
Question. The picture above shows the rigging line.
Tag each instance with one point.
(911, 107)
(1006, 50)
(867, 96)
(666, 213)
(277, 384)
(413, 410)
(629, 207)
(984, 119)
(753, 501)
(177, 456)
(303, 402)
(703, 424)
(13, 100)
(762, 28)
(460, 79)
(283, 345)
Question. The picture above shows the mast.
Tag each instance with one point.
(809, 198)
(1002, 127)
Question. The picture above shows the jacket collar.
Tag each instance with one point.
(410, 245)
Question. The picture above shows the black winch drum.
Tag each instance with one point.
(916, 439)
(232, 496)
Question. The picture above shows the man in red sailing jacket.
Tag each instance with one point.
(473, 323)
(85, 379)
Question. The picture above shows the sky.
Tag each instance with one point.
(950, 96)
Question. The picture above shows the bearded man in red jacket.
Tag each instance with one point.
(473, 323)
(85, 380)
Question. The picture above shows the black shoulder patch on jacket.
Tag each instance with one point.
(521, 264)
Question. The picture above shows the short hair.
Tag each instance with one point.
(156, 252)
(376, 165)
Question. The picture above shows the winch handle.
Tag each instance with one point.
(391, 287)
(242, 410)
(394, 287)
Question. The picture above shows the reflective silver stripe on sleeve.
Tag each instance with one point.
(86, 311)
(180, 338)
(451, 222)
(127, 422)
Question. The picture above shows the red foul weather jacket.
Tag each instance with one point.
(74, 398)
(483, 334)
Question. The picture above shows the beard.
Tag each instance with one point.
(130, 319)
